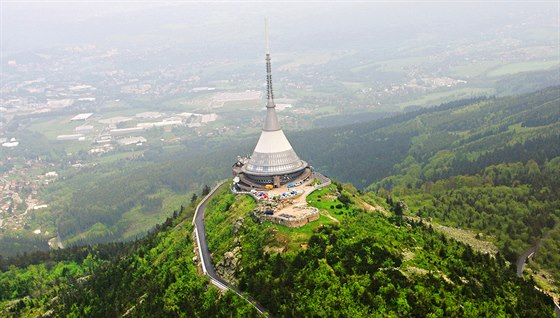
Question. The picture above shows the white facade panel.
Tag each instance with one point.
(272, 142)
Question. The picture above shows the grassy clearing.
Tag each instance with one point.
(468, 238)
(473, 69)
(373, 65)
(445, 96)
(325, 200)
(96, 231)
(376, 202)
(126, 112)
(240, 105)
(108, 158)
(173, 201)
(139, 221)
(398, 65)
(73, 146)
(55, 126)
(392, 65)
(316, 58)
(354, 86)
(112, 106)
(186, 104)
(520, 67)
(293, 239)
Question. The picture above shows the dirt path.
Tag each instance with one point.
(327, 214)
(372, 208)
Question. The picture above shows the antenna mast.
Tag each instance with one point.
(266, 35)
(269, 94)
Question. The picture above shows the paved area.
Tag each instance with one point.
(289, 206)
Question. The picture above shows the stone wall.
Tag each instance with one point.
(311, 216)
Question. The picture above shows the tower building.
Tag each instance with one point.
(274, 161)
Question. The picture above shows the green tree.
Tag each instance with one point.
(205, 190)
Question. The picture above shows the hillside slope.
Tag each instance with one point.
(465, 136)
(154, 276)
(492, 167)
(367, 263)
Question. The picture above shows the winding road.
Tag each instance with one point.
(521, 264)
(324, 180)
(204, 253)
(523, 259)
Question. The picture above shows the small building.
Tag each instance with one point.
(81, 117)
(103, 139)
(206, 118)
(126, 131)
(149, 115)
(10, 144)
(105, 148)
(203, 89)
(115, 120)
(131, 141)
(186, 114)
(160, 124)
(69, 137)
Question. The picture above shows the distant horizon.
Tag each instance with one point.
(44, 25)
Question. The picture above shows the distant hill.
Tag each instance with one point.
(458, 137)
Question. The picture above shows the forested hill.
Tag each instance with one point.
(454, 138)
(151, 277)
(357, 262)
(492, 167)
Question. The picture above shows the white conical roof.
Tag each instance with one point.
(273, 154)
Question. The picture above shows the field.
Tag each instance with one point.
(453, 94)
(293, 239)
(473, 69)
(296, 61)
(515, 68)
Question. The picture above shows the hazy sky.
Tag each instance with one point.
(34, 25)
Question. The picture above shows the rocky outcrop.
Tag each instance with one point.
(229, 265)
(237, 225)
